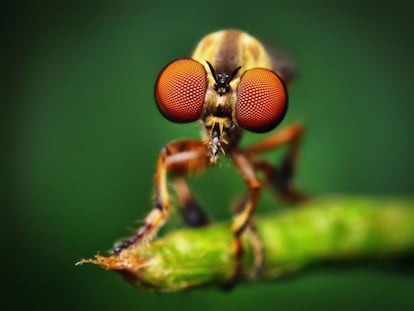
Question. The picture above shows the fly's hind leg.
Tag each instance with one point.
(179, 158)
(280, 177)
(191, 211)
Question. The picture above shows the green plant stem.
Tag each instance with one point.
(329, 229)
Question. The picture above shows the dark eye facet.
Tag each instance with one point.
(261, 100)
(180, 90)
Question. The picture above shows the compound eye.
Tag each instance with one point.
(261, 100)
(180, 90)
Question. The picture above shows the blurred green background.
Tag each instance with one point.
(83, 134)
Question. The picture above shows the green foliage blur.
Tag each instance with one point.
(83, 133)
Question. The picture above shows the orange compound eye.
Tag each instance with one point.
(180, 90)
(261, 100)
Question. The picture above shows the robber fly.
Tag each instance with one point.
(230, 84)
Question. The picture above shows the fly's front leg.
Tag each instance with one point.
(281, 177)
(180, 158)
(245, 214)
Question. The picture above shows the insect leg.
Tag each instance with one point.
(181, 157)
(280, 177)
(191, 211)
(257, 245)
(244, 216)
(252, 236)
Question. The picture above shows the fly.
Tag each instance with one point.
(230, 85)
